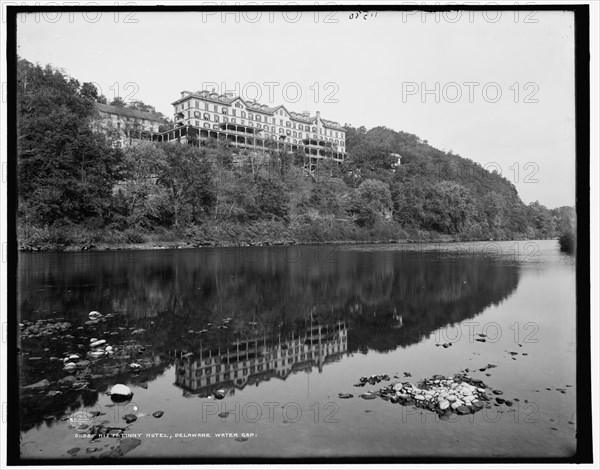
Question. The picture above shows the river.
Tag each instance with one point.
(282, 331)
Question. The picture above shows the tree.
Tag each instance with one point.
(188, 178)
(118, 101)
(144, 199)
(88, 90)
(448, 207)
(66, 172)
(376, 194)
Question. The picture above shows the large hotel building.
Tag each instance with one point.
(250, 125)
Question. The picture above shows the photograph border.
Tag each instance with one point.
(582, 162)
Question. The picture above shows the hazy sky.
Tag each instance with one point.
(500, 87)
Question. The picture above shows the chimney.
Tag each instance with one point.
(318, 124)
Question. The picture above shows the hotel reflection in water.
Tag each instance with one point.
(253, 360)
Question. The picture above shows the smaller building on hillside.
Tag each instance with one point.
(125, 126)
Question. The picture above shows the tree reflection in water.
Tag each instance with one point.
(167, 304)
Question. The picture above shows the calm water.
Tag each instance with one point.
(283, 330)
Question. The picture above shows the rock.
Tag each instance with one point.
(499, 400)
(220, 394)
(446, 345)
(345, 395)
(158, 414)
(82, 364)
(508, 402)
(130, 418)
(134, 366)
(241, 439)
(444, 404)
(143, 385)
(95, 344)
(477, 404)
(451, 398)
(456, 404)
(463, 410)
(70, 366)
(497, 392)
(91, 450)
(73, 451)
(419, 397)
(128, 444)
(481, 340)
(223, 414)
(69, 379)
(120, 392)
(93, 315)
(53, 393)
(38, 385)
(368, 396)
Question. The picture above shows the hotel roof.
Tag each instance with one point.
(256, 107)
(133, 113)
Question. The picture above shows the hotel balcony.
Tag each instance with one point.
(249, 137)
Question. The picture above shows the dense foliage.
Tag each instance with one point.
(75, 189)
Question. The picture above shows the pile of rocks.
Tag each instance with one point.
(459, 394)
(41, 328)
(372, 380)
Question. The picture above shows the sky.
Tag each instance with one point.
(494, 87)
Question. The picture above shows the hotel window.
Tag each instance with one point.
(250, 116)
(243, 113)
(196, 104)
(206, 106)
(281, 130)
(216, 108)
(206, 124)
(243, 122)
(287, 124)
(216, 118)
(307, 128)
(233, 112)
(274, 121)
(295, 134)
(224, 110)
(233, 120)
(258, 117)
(216, 126)
(207, 116)
(225, 119)
(197, 123)
(281, 122)
(273, 129)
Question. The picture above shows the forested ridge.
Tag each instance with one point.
(76, 191)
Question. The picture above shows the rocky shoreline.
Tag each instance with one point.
(183, 245)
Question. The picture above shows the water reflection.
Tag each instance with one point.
(260, 358)
(229, 318)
